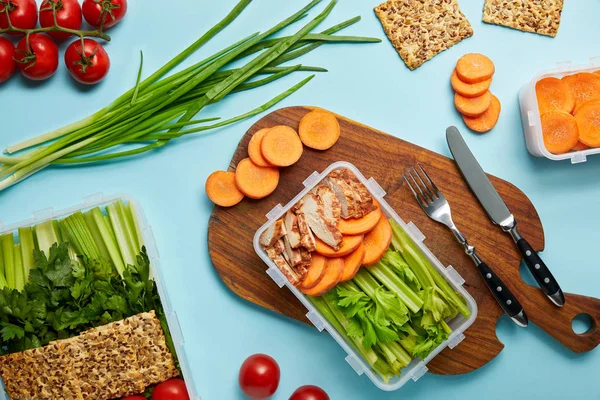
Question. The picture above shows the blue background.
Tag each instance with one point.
(370, 84)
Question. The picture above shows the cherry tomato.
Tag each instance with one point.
(259, 376)
(7, 63)
(88, 66)
(39, 60)
(309, 392)
(173, 389)
(112, 11)
(22, 14)
(136, 397)
(68, 15)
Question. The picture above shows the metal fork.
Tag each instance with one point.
(435, 205)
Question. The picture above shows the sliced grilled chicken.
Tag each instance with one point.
(307, 240)
(331, 204)
(283, 266)
(323, 228)
(272, 234)
(292, 256)
(306, 257)
(343, 192)
(363, 200)
(291, 228)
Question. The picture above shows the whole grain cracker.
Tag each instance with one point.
(537, 16)
(421, 29)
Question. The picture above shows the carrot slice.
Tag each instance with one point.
(597, 72)
(584, 86)
(588, 120)
(319, 130)
(316, 271)
(474, 68)
(362, 225)
(281, 146)
(254, 181)
(377, 241)
(254, 148)
(349, 244)
(560, 131)
(580, 146)
(554, 94)
(486, 121)
(221, 189)
(474, 106)
(352, 263)
(334, 268)
(469, 89)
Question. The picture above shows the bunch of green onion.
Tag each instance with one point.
(162, 107)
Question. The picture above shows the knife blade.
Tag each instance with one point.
(499, 213)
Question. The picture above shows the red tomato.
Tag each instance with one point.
(259, 376)
(173, 389)
(39, 61)
(7, 64)
(90, 65)
(309, 392)
(136, 397)
(68, 15)
(112, 11)
(22, 14)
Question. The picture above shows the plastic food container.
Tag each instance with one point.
(99, 200)
(417, 368)
(530, 115)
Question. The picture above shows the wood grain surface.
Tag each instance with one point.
(385, 157)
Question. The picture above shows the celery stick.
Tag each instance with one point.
(2, 271)
(8, 251)
(105, 228)
(133, 217)
(47, 234)
(121, 233)
(388, 355)
(400, 353)
(27, 248)
(19, 271)
(88, 216)
(391, 281)
(80, 236)
(132, 235)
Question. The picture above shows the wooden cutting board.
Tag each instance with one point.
(385, 157)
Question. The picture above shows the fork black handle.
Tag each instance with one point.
(507, 301)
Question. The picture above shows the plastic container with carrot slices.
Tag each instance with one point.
(531, 118)
(417, 367)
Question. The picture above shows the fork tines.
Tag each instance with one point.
(428, 192)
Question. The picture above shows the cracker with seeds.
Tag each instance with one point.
(537, 16)
(421, 29)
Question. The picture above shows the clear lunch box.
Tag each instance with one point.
(530, 115)
(417, 368)
(99, 200)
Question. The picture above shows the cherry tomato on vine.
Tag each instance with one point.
(7, 63)
(89, 65)
(112, 11)
(39, 59)
(68, 15)
(309, 392)
(22, 14)
(259, 377)
(173, 389)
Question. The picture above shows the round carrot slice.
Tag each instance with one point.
(474, 68)
(588, 120)
(333, 272)
(254, 148)
(597, 72)
(358, 226)
(221, 189)
(316, 271)
(584, 86)
(352, 263)
(469, 89)
(254, 181)
(319, 130)
(474, 106)
(554, 94)
(281, 146)
(580, 146)
(377, 241)
(349, 244)
(560, 131)
(486, 121)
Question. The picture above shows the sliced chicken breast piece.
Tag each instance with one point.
(331, 204)
(323, 228)
(290, 222)
(344, 194)
(285, 269)
(307, 240)
(292, 256)
(272, 234)
(363, 200)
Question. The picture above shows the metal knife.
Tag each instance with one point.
(496, 208)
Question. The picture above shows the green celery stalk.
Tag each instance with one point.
(131, 231)
(2, 269)
(366, 282)
(79, 235)
(106, 231)
(133, 218)
(90, 222)
(403, 357)
(446, 327)
(27, 248)
(19, 269)
(121, 233)
(391, 281)
(47, 234)
(8, 251)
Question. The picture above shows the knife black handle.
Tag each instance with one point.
(507, 301)
(541, 273)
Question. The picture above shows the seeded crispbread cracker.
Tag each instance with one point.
(537, 16)
(421, 29)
